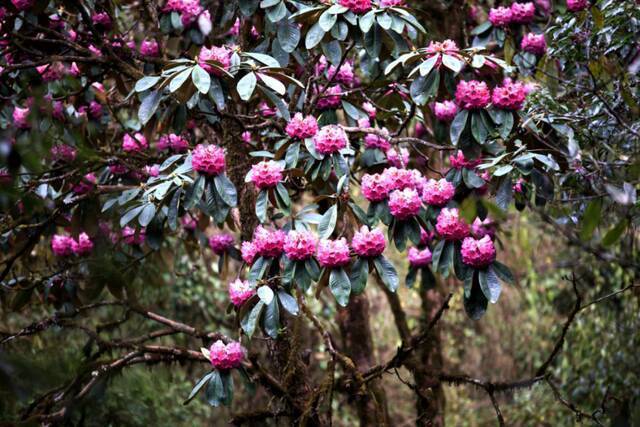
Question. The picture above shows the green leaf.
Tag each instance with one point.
(215, 393)
(146, 82)
(340, 286)
(194, 193)
(288, 35)
(261, 205)
(359, 275)
(327, 21)
(504, 194)
(486, 25)
(591, 219)
(267, 60)
(475, 304)
(201, 383)
(452, 63)
(226, 190)
(248, 324)
(458, 125)
(274, 84)
(172, 213)
(292, 155)
(373, 41)
(283, 196)
(130, 214)
(288, 302)
(366, 21)
(314, 36)
(387, 273)
(177, 82)
(426, 67)
(471, 179)
(328, 222)
(265, 293)
(332, 51)
(478, 128)
(217, 94)
(201, 79)
(503, 272)
(147, 214)
(437, 254)
(148, 106)
(424, 88)
(227, 384)
(489, 284)
(272, 319)
(446, 260)
(614, 234)
(246, 85)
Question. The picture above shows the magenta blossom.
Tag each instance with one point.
(344, 75)
(481, 228)
(220, 243)
(459, 161)
(172, 142)
(333, 253)
(522, 13)
(377, 141)
(445, 111)
(500, 16)
(249, 252)
(391, 3)
(419, 258)
(374, 187)
(149, 48)
(226, 356)
(510, 96)
(130, 237)
(356, 6)
(300, 245)
(472, 95)
(330, 139)
(577, 5)
(478, 253)
(62, 245)
(240, 291)
(86, 184)
(266, 174)
(101, 18)
(438, 193)
(302, 127)
(399, 179)
(370, 109)
(22, 4)
(534, 43)
(208, 159)
(134, 144)
(450, 226)
(330, 99)
(82, 246)
(368, 243)
(221, 56)
(268, 243)
(21, 117)
(63, 153)
(404, 204)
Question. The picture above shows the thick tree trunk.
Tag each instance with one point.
(355, 329)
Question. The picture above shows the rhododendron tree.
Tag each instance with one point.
(324, 152)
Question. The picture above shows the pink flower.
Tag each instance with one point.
(544, 6)
(266, 174)
(534, 43)
(265, 110)
(404, 204)
(426, 236)
(268, 243)
(445, 111)
(481, 228)
(438, 193)
(85, 185)
(62, 245)
(149, 48)
(458, 161)
(391, 3)
(57, 110)
(221, 56)
(420, 130)
(376, 141)
(419, 258)
(240, 291)
(247, 138)
(102, 19)
(450, 226)
(134, 144)
(478, 253)
(172, 142)
(63, 153)
(344, 75)
(95, 110)
(522, 13)
(22, 4)
(500, 16)
(82, 246)
(208, 159)
(448, 47)
(249, 252)
(51, 72)
(397, 157)
(130, 238)
(152, 170)
(356, 6)
(333, 253)
(220, 243)
(375, 187)
(188, 223)
(370, 109)
(118, 169)
(577, 5)
(368, 243)
(300, 245)
(330, 139)
(302, 127)
(21, 117)
(509, 96)
(330, 99)
(399, 179)
(74, 70)
(472, 95)
(224, 357)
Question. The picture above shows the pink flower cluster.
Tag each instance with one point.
(374, 187)
(300, 245)
(21, 117)
(577, 5)
(130, 237)
(438, 193)
(86, 184)
(450, 226)
(356, 6)
(149, 48)
(445, 111)
(481, 228)
(534, 43)
(136, 143)
(101, 18)
(459, 161)
(376, 141)
(266, 174)
(478, 253)
(302, 127)
(419, 258)
(330, 139)
(368, 243)
(208, 159)
(404, 204)
(240, 291)
(172, 142)
(63, 153)
(189, 10)
(51, 72)
(62, 245)
(344, 75)
(397, 157)
(220, 243)
(370, 109)
(518, 13)
(330, 99)
(448, 47)
(391, 3)
(333, 253)
(399, 179)
(226, 356)
(472, 95)
(266, 243)
(510, 96)
(220, 55)
(22, 4)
